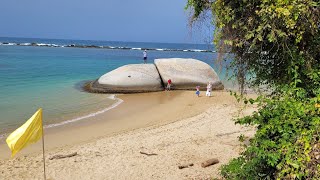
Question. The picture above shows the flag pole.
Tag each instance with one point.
(44, 160)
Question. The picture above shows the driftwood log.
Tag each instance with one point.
(185, 165)
(209, 162)
(59, 156)
(148, 154)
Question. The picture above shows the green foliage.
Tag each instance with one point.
(267, 37)
(275, 43)
(288, 126)
(198, 6)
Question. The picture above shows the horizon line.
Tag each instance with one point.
(102, 40)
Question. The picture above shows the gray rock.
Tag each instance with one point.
(186, 74)
(130, 78)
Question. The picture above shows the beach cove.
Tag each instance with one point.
(51, 77)
(178, 126)
(190, 90)
(109, 132)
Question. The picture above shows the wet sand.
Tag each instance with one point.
(176, 125)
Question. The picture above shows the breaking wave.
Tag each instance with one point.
(101, 47)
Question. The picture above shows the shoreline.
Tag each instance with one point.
(115, 117)
(95, 113)
(178, 126)
(73, 118)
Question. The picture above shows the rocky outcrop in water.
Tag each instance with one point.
(185, 74)
(132, 78)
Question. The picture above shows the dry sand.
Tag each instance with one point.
(178, 126)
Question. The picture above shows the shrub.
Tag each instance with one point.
(286, 143)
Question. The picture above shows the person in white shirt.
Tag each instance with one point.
(209, 89)
(145, 56)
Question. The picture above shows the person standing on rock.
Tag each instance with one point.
(145, 56)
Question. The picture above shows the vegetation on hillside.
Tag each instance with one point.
(276, 44)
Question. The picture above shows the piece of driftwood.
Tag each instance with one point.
(185, 166)
(59, 156)
(209, 162)
(148, 154)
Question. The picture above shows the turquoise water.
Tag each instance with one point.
(48, 77)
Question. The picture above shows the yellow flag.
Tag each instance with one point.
(29, 132)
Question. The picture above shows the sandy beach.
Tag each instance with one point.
(177, 126)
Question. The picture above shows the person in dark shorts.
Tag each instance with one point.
(145, 56)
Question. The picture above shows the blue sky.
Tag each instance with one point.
(114, 20)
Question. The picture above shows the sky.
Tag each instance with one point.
(111, 20)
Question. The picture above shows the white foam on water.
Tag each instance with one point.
(197, 50)
(41, 44)
(55, 45)
(108, 47)
(119, 101)
(8, 44)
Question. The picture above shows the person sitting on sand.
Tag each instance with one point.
(209, 89)
(169, 85)
(198, 91)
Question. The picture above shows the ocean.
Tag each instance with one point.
(48, 73)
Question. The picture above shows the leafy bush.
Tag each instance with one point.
(266, 37)
(275, 44)
(286, 144)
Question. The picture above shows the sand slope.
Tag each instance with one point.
(191, 140)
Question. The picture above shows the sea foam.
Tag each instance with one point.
(102, 47)
(119, 101)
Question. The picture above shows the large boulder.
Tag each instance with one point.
(130, 78)
(186, 74)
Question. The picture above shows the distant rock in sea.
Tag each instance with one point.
(186, 74)
(132, 78)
